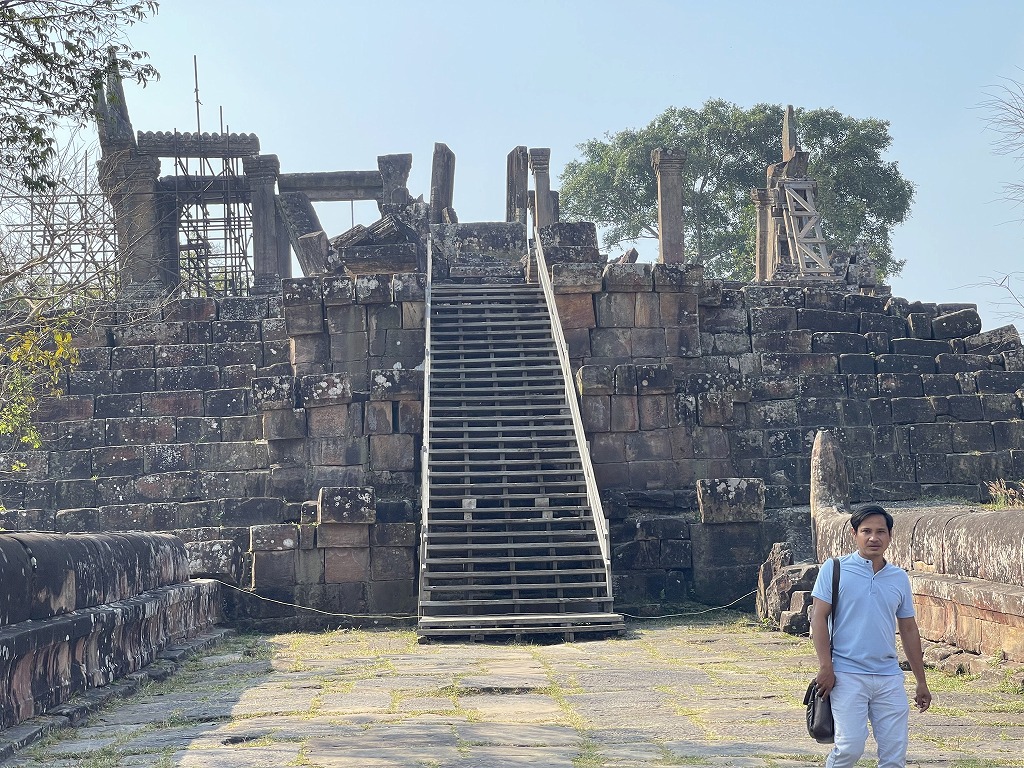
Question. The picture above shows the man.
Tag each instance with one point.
(862, 674)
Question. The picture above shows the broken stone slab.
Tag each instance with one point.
(312, 251)
(338, 290)
(396, 384)
(272, 392)
(477, 265)
(274, 537)
(731, 500)
(628, 277)
(1013, 359)
(778, 582)
(506, 240)
(595, 380)
(576, 278)
(571, 254)
(394, 172)
(300, 219)
(409, 286)
(957, 325)
(987, 343)
(628, 257)
(301, 291)
(215, 559)
(676, 277)
(569, 233)
(373, 259)
(326, 389)
(442, 182)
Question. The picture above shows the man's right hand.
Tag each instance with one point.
(826, 681)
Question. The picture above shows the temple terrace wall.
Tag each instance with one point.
(78, 612)
(218, 416)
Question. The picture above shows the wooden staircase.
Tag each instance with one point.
(510, 545)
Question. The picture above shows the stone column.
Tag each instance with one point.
(442, 183)
(517, 185)
(261, 172)
(129, 181)
(394, 174)
(284, 249)
(761, 256)
(540, 164)
(668, 167)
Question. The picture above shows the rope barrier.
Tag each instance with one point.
(405, 617)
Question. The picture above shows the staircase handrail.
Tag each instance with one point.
(425, 446)
(593, 493)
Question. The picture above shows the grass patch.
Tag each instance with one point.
(589, 755)
(943, 683)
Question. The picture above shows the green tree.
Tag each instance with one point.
(53, 56)
(861, 196)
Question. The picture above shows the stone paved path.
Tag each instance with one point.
(694, 692)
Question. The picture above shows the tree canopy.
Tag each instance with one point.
(861, 196)
(53, 56)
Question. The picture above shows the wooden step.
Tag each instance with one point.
(594, 603)
(549, 573)
(566, 625)
(527, 559)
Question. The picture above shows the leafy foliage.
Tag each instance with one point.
(33, 363)
(53, 56)
(861, 196)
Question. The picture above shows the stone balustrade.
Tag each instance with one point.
(80, 611)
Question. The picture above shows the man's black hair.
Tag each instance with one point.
(867, 510)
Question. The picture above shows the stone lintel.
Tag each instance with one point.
(177, 144)
(209, 188)
(334, 185)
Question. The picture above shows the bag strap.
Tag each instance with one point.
(835, 598)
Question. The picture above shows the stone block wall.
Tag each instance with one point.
(923, 402)
(916, 415)
(218, 416)
(222, 420)
(355, 558)
(158, 429)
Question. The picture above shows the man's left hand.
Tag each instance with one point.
(923, 697)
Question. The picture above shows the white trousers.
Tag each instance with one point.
(880, 699)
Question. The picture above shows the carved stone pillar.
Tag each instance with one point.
(261, 172)
(540, 164)
(284, 250)
(668, 167)
(517, 185)
(129, 181)
(762, 256)
(442, 184)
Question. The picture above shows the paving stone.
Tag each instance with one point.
(683, 692)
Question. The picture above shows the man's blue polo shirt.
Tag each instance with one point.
(864, 632)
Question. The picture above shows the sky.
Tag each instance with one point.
(330, 85)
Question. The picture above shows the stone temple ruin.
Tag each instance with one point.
(485, 427)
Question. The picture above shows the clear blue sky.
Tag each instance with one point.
(330, 85)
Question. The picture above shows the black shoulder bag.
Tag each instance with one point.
(820, 724)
